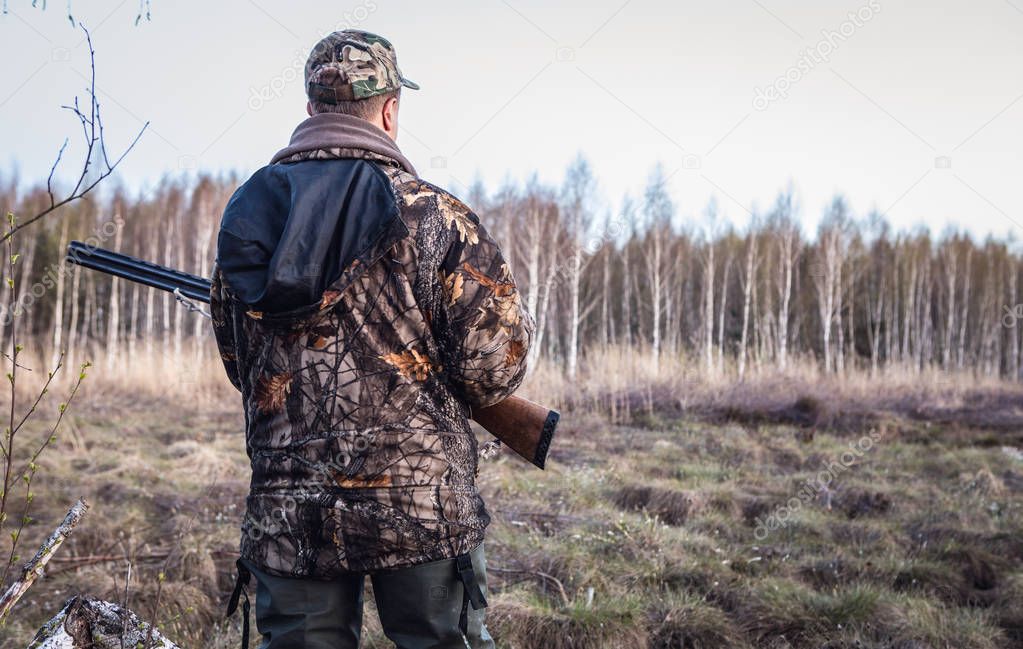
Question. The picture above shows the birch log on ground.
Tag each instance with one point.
(34, 568)
(83, 623)
(95, 624)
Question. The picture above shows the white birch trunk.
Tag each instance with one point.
(58, 307)
(747, 293)
(708, 307)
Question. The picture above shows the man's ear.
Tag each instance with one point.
(309, 108)
(389, 115)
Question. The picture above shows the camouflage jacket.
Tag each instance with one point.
(361, 312)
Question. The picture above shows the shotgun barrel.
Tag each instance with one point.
(525, 427)
(139, 271)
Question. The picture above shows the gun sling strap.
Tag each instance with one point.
(239, 591)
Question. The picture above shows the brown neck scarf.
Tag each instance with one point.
(327, 131)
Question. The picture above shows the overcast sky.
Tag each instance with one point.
(910, 107)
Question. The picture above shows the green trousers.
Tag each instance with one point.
(427, 606)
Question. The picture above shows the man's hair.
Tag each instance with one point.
(361, 108)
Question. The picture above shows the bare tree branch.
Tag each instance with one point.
(95, 145)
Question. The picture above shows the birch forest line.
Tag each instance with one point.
(854, 295)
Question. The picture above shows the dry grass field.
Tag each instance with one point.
(678, 511)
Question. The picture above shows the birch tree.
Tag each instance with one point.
(577, 196)
(659, 211)
(748, 279)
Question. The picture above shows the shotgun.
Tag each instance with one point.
(522, 425)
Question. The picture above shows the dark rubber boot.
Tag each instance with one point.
(308, 614)
(427, 606)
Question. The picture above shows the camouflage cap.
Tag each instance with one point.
(350, 65)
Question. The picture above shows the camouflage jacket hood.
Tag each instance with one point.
(361, 312)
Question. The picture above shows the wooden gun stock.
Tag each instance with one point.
(523, 426)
